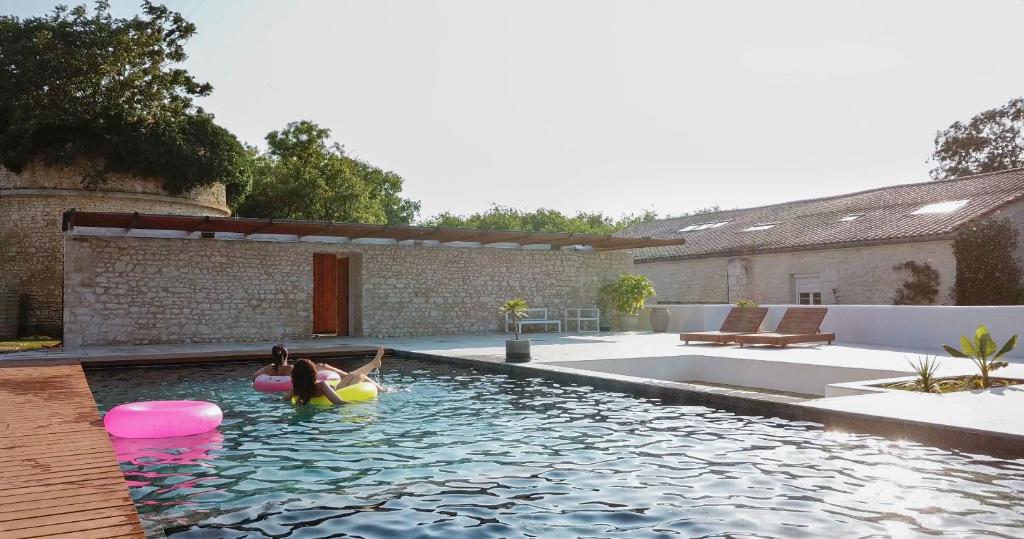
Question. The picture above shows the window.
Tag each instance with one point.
(809, 298)
(947, 206)
(755, 228)
(702, 226)
(807, 287)
(851, 217)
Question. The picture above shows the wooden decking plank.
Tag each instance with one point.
(59, 476)
(78, 528)
(45, 463)
(67, 513)
(49, 495)
(28, 507)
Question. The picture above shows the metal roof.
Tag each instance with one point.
(351, 231)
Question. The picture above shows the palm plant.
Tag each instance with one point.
(983, 352)
(925, 368)
(516, 309)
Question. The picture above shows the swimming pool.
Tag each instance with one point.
(459, 453)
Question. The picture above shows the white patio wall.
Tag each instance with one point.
(912, 327)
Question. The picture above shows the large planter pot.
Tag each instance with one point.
(660, 319)
(517, 351)
(629, 322)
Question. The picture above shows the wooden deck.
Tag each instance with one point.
(58, 475)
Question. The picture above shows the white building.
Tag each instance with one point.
(839, 249)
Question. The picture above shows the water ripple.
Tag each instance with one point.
(455, 453)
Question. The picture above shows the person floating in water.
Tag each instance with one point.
(305, 386)
(279, 363)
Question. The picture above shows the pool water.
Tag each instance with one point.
(457, 453)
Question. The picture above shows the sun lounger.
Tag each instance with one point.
(799, 324)
(738, 322)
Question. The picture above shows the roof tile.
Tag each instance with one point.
(888, 217)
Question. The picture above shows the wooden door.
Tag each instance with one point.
(342, 303)
(325, 293)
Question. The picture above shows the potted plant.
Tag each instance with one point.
(628, 296)
(516, 351)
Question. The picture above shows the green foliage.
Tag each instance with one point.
(921, 286)
(993, 140)
(516, 310)
(540, 220)
(746, 304)
(94, 89)
(925, 369)
(302, 175)
(987, 273)
(983, 351)
(629, 292)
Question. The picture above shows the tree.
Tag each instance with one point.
(921, 285)
(990, 141)
(104, 90)
(302, 175)
(987, 272)
(540, 220)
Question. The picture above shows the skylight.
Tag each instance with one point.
(702, 226)
(941, 207)
(851, 217)
(755, 228)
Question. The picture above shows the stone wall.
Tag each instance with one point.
(31, 206)
(859, 275)
(133, 290)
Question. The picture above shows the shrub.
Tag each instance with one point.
(921, 286)
(629, 293)
(987, 272)
(983, 352)
(746, 304)
(925, 369)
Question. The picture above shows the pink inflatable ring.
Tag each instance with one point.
(279, 384)
(162, 419)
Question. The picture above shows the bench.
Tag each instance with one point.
(581, 315)
(537, 316)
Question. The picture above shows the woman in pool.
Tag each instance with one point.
(279, 363)
(305, 386)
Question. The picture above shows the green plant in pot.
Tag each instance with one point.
(628, 294)
(517, 350)
(984, 352)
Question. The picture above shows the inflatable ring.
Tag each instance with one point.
(268, 383)
(162, 419)
(363, 391)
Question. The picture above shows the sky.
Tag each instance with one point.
(613, 106)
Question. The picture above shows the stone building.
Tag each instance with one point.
(31, 243)
(839, 249)
(139, 279)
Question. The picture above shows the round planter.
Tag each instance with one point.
(660, 319)
(517, 351)
(629, 322)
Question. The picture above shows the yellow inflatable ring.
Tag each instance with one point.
(363, 391)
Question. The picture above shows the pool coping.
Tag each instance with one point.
(966, 439)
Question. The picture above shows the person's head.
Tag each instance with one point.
(304, 380)
(279, 356)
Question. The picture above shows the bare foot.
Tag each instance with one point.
(376, 360)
